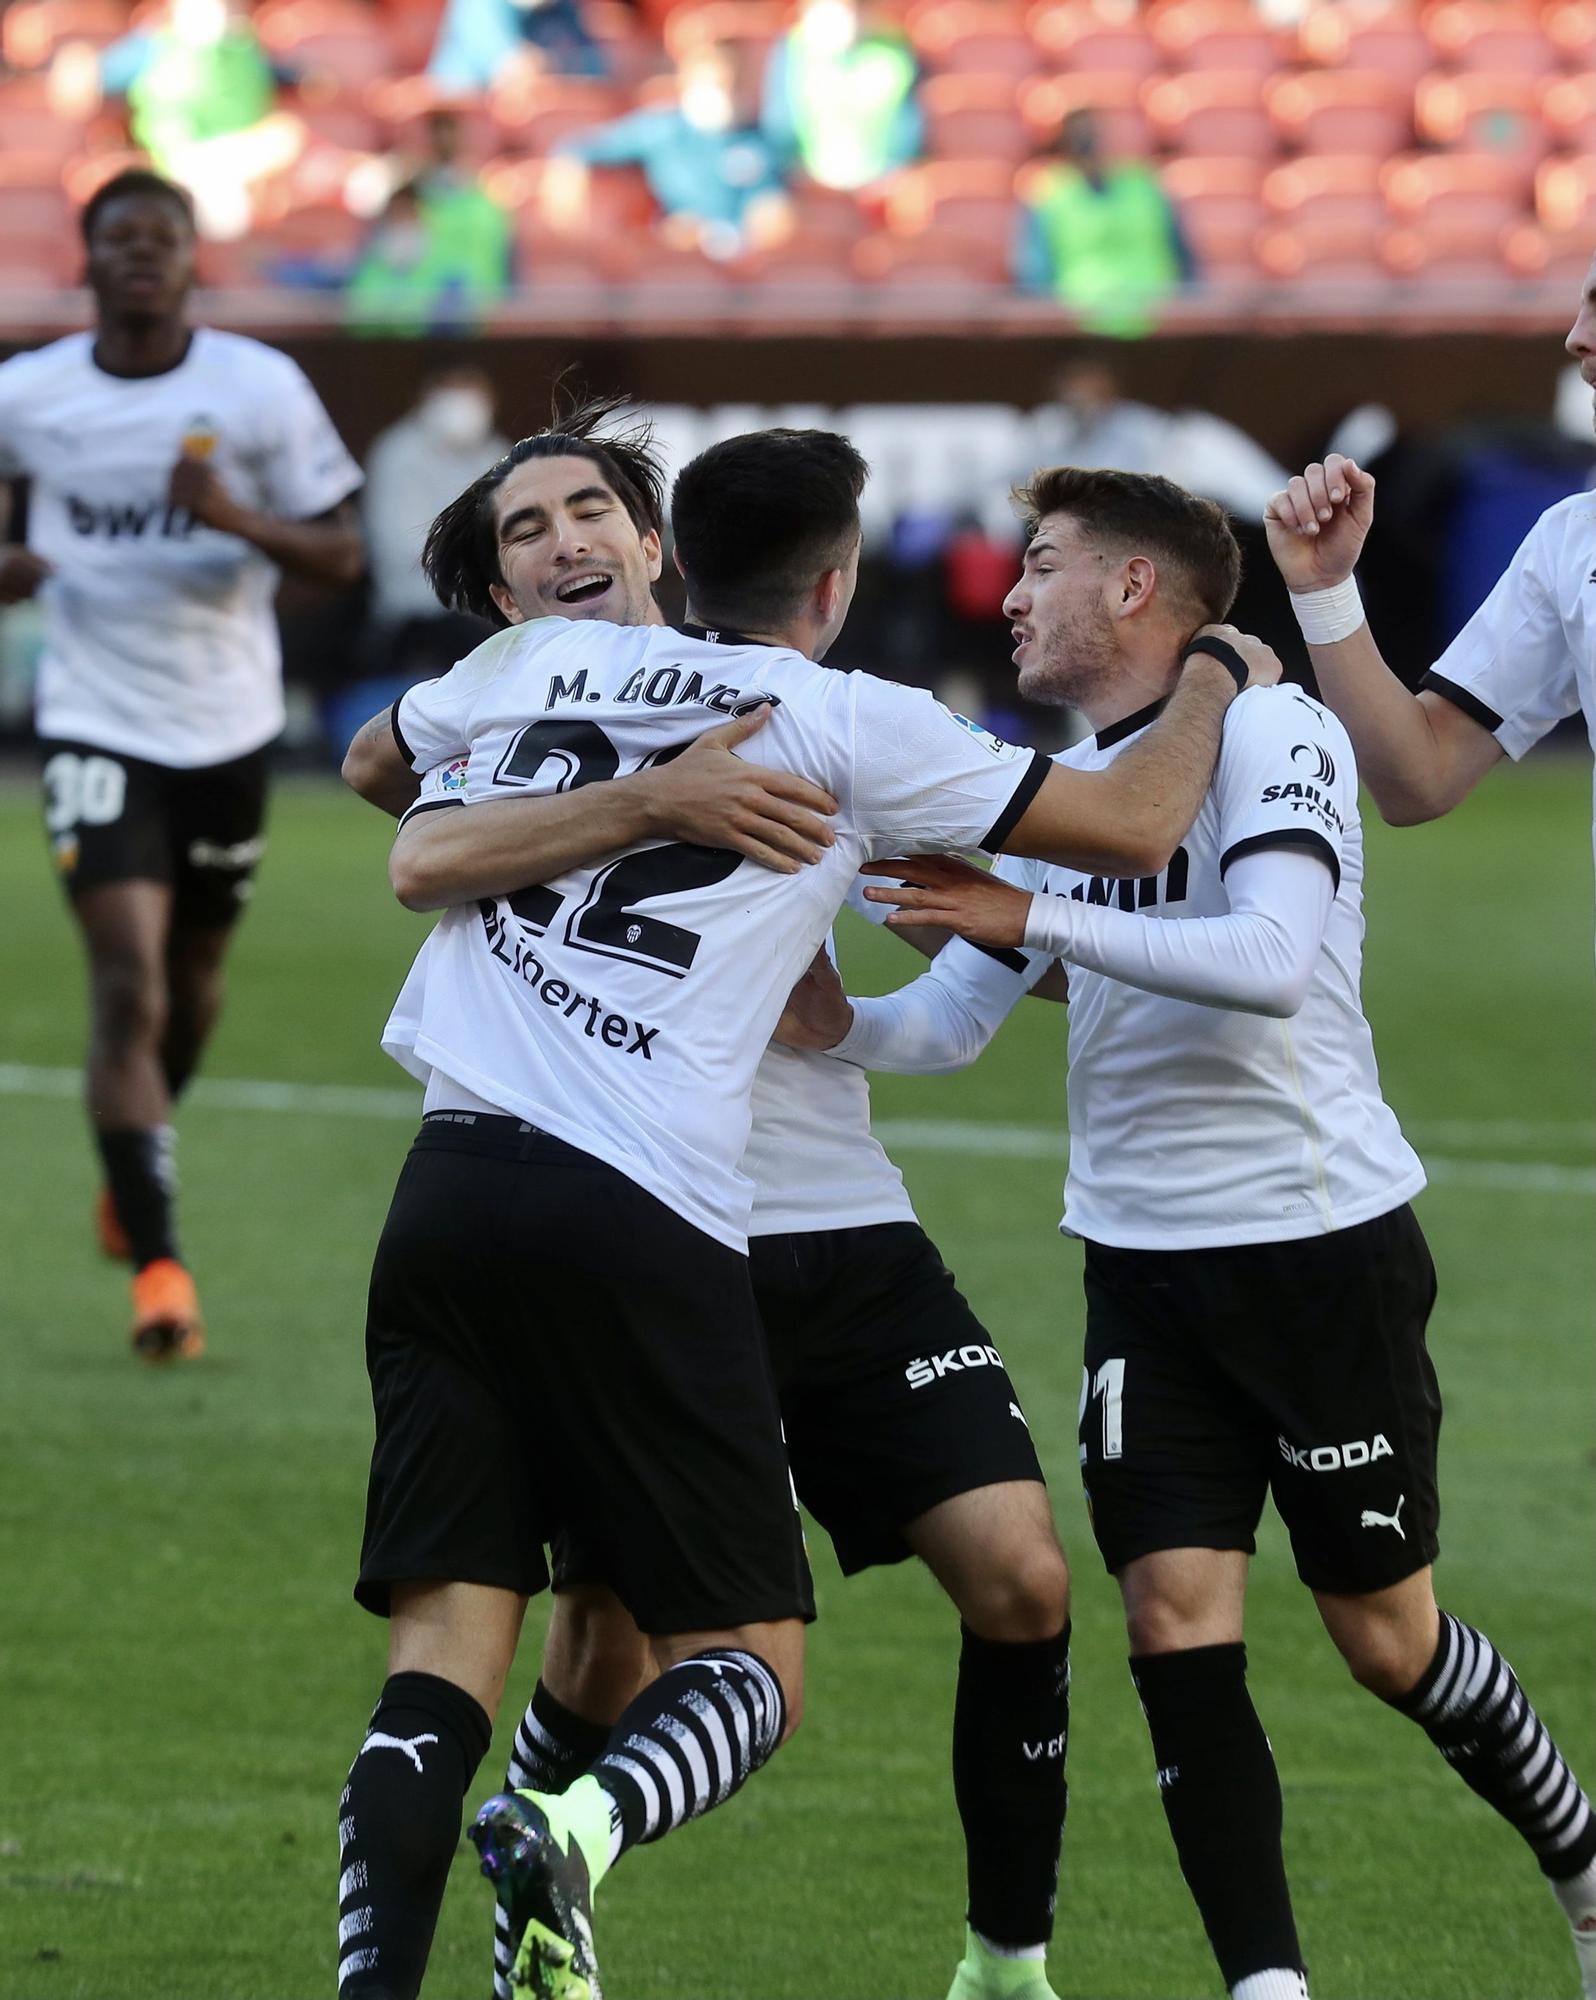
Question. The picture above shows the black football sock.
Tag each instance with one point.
(398, 1828)
(140, 1172)
(553, 1747)
(1221, 1795)
(1011, 1719)
(687, 1742)
(1471, 1707)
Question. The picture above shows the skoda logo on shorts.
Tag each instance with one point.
(1324, 769)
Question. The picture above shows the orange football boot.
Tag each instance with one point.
(108, 1228)
(166, 1319)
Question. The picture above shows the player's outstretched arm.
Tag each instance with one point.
(376, 768)
(1130, 818)
(1419, 754)
(1257, 959)
(709, 796)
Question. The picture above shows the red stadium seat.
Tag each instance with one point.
(539, 112)
(1570, 27)
(1324, 257)
(1478, 191)
(617, 201)
(1329, 191)
(1075, 34)
(324, 231)
(333, 38)
(1483, 113)
(34, 210)
(1342, 111)
(1211, 111)
(973, 198)
(973, 118)
(1366, 34)
(39, 263)
(755, 24)
(630, 55)
(1568, 106)
(807, 259)
(1221, 207)
(660, 266)
(1228, 35)
(984, 36)
(1490, 35)
(28, 123)
(1448, 255)
(945, 261)
(827, 214)
(32, 30)
(338, 118)
(1115, 101)
(1556, 259)
(1565, 198)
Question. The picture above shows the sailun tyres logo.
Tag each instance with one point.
(1314, 757)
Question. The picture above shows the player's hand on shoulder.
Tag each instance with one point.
(21, 573)
(941, 890)
(712, 797)
(1262, 662)
(1317, 524)
(817, 1014)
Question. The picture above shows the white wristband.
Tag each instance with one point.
(1328, 615)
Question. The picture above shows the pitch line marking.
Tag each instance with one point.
(910, 1135)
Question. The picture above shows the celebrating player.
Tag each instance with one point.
(889, 1453)
(1257, 1288)
(175, 471)
(1523, 662)
(603, 1376)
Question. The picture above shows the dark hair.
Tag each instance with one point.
(759, 520)
(135, 181)
(461, 553)
(1142, 513)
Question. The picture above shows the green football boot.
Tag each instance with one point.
(985, 1974)
(540, 1874)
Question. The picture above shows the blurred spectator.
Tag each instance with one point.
(1100, 235)
(201, 95)
(415, 468)
(840, 95)
(483, 42)
(707, 163)
(1093, 423)
(439, 256)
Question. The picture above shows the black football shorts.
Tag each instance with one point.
(1215, 1377)
(552, 1352)
(893, 1397)
(111, 818)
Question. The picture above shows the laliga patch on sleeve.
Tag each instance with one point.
(999, 749)
(454, 775)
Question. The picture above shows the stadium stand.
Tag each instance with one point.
(1265, 126)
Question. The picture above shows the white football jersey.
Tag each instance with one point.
(625, 1007)
(1190, 1125)
(813, 1160)
(1526, 660)
(160, 635)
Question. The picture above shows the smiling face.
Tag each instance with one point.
(1064, 638)
(567, 547)
(141, 257)
(1581, 341)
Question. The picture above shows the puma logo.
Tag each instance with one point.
(1373, 1520)
(408, 1744)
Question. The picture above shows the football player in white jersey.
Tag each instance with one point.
(562, 1335)
(175, 471)
(903, 1429)
(1257, 1288)
(1523, 663)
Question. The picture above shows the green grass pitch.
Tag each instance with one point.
(185, 1676)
